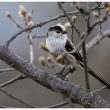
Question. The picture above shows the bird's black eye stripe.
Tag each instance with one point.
(64, 32)
(56, 28)
(52, 28)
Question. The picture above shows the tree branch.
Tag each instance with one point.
(74, 92)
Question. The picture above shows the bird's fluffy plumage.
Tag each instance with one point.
(56, 42)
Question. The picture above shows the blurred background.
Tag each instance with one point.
(30, 91)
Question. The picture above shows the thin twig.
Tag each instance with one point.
(15, 98)
(30, 38)
(67, 15)
(31, 47)
(87, 19)
(85, 66)
(18, 77)
(43, 23)
(17, 25)
(14, 21)
(7, 70)
(85, 55)
(39, 36)
(99, 11)
(99, 90)
(95, 24)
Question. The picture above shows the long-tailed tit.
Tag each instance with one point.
(57, 41)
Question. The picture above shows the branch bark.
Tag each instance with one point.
(74, 92)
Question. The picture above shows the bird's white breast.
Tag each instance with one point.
(56, 45)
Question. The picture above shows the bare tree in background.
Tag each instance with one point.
(76, 94)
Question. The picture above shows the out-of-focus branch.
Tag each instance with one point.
(18, 77)
(39, 36)
(7, 70)
(74, 92)
(99, 90)
(15, 98)
(96, 40)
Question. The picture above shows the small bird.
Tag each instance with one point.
(57, 42)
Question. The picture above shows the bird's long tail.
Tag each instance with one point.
(96, 76)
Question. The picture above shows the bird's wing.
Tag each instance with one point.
(69, 47)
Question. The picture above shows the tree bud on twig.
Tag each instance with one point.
(8, 14)
(106, 4)
(96, 14)
(49, 59)
(42, 60)
(67, 25)
(74, 18)
(30, 24)
(43, 46)
(59, 58)
(108, 10)
(22, 11)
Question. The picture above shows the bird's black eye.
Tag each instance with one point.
(58, 31)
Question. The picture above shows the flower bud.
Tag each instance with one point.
(22, 11)
(30, 24)
(96, 14)
(59, 58)
(74, 18)
(106, 4)
(108, 10)
(43, 46)
(49, 59)
(8, 14)
(67, 25)
(42, 60)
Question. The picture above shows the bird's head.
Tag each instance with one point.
(57, 31)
